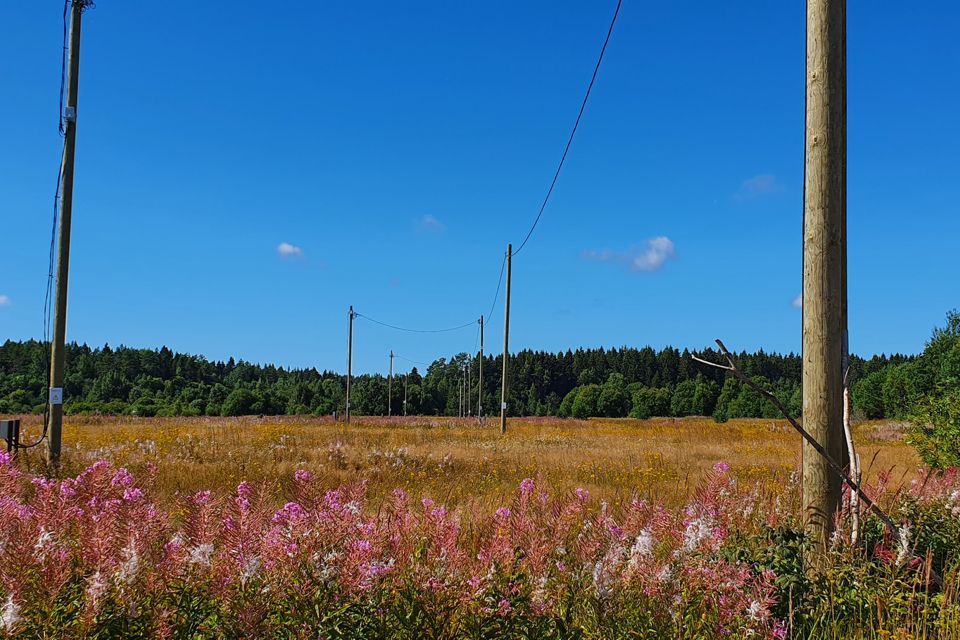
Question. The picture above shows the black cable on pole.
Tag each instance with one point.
(576, 124)
(496, 295)
(391, 326)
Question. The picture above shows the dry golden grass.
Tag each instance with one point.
(456, 461)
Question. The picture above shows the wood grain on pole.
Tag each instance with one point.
(58, 350)
(349, 365)
(480, 377)
(823, 257)
(506, 347)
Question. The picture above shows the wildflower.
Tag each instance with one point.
(121, 478)
(291, 512)
(244, 490)
(67, 489)
(526, 487)
(903, 543)
(44, 540)
(503, 513)
(130, 564)
(582, 494)
(96, 587)
(302, 476)
(721, 467)
(642, 548)
(779, 630)
(10, 614)
(250, 569)
(201, 554)
(503, 607)
(696, 532)
(132, 494)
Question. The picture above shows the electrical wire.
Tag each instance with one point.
(496, 295)
(391, 326)
(411, 361)
(576, 124)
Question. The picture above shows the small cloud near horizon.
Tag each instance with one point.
(798, 301)
(431, 223)
(4, 300)
(757, 186)
(649, 257)
(287, 250)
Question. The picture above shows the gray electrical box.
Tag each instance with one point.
(10, 431)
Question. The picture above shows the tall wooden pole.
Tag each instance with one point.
(824, 286)
(349, 364)
(480, 377)
(506, 347)
(467, 389)
(390, 387)
(58, 349)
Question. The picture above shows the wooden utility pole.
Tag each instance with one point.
(349, 363)
(390, 387)
(58, 349)
(824, 286)
(506, 347)
(480, 378)
(466, 391)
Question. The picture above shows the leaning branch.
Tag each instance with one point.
(853, 484)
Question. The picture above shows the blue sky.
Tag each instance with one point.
(397, 148)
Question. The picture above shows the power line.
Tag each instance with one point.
(391, 326)
(499, 282)
(576, 124)
(423, 364)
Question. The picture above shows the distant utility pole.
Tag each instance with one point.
(58, 350)
(824, 251)
(506, 347)
(390, 387)
(349, 363)
(480, 377)
(466, 393)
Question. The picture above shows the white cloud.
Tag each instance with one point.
(287, 250)
(4, 300)
(651, 256)
(431, 223)
(757, 186)
(798, 301)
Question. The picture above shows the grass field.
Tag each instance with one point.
(459, 462)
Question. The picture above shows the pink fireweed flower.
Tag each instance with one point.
(291, 512)
(132, 494)
(68, 488)
(503, 513)
(201, 497)
(526, 487)
(582, 494)
(244, 490)
(121, 478)
(721, 467)
(302, 476)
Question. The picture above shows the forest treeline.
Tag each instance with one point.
(583, 383)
